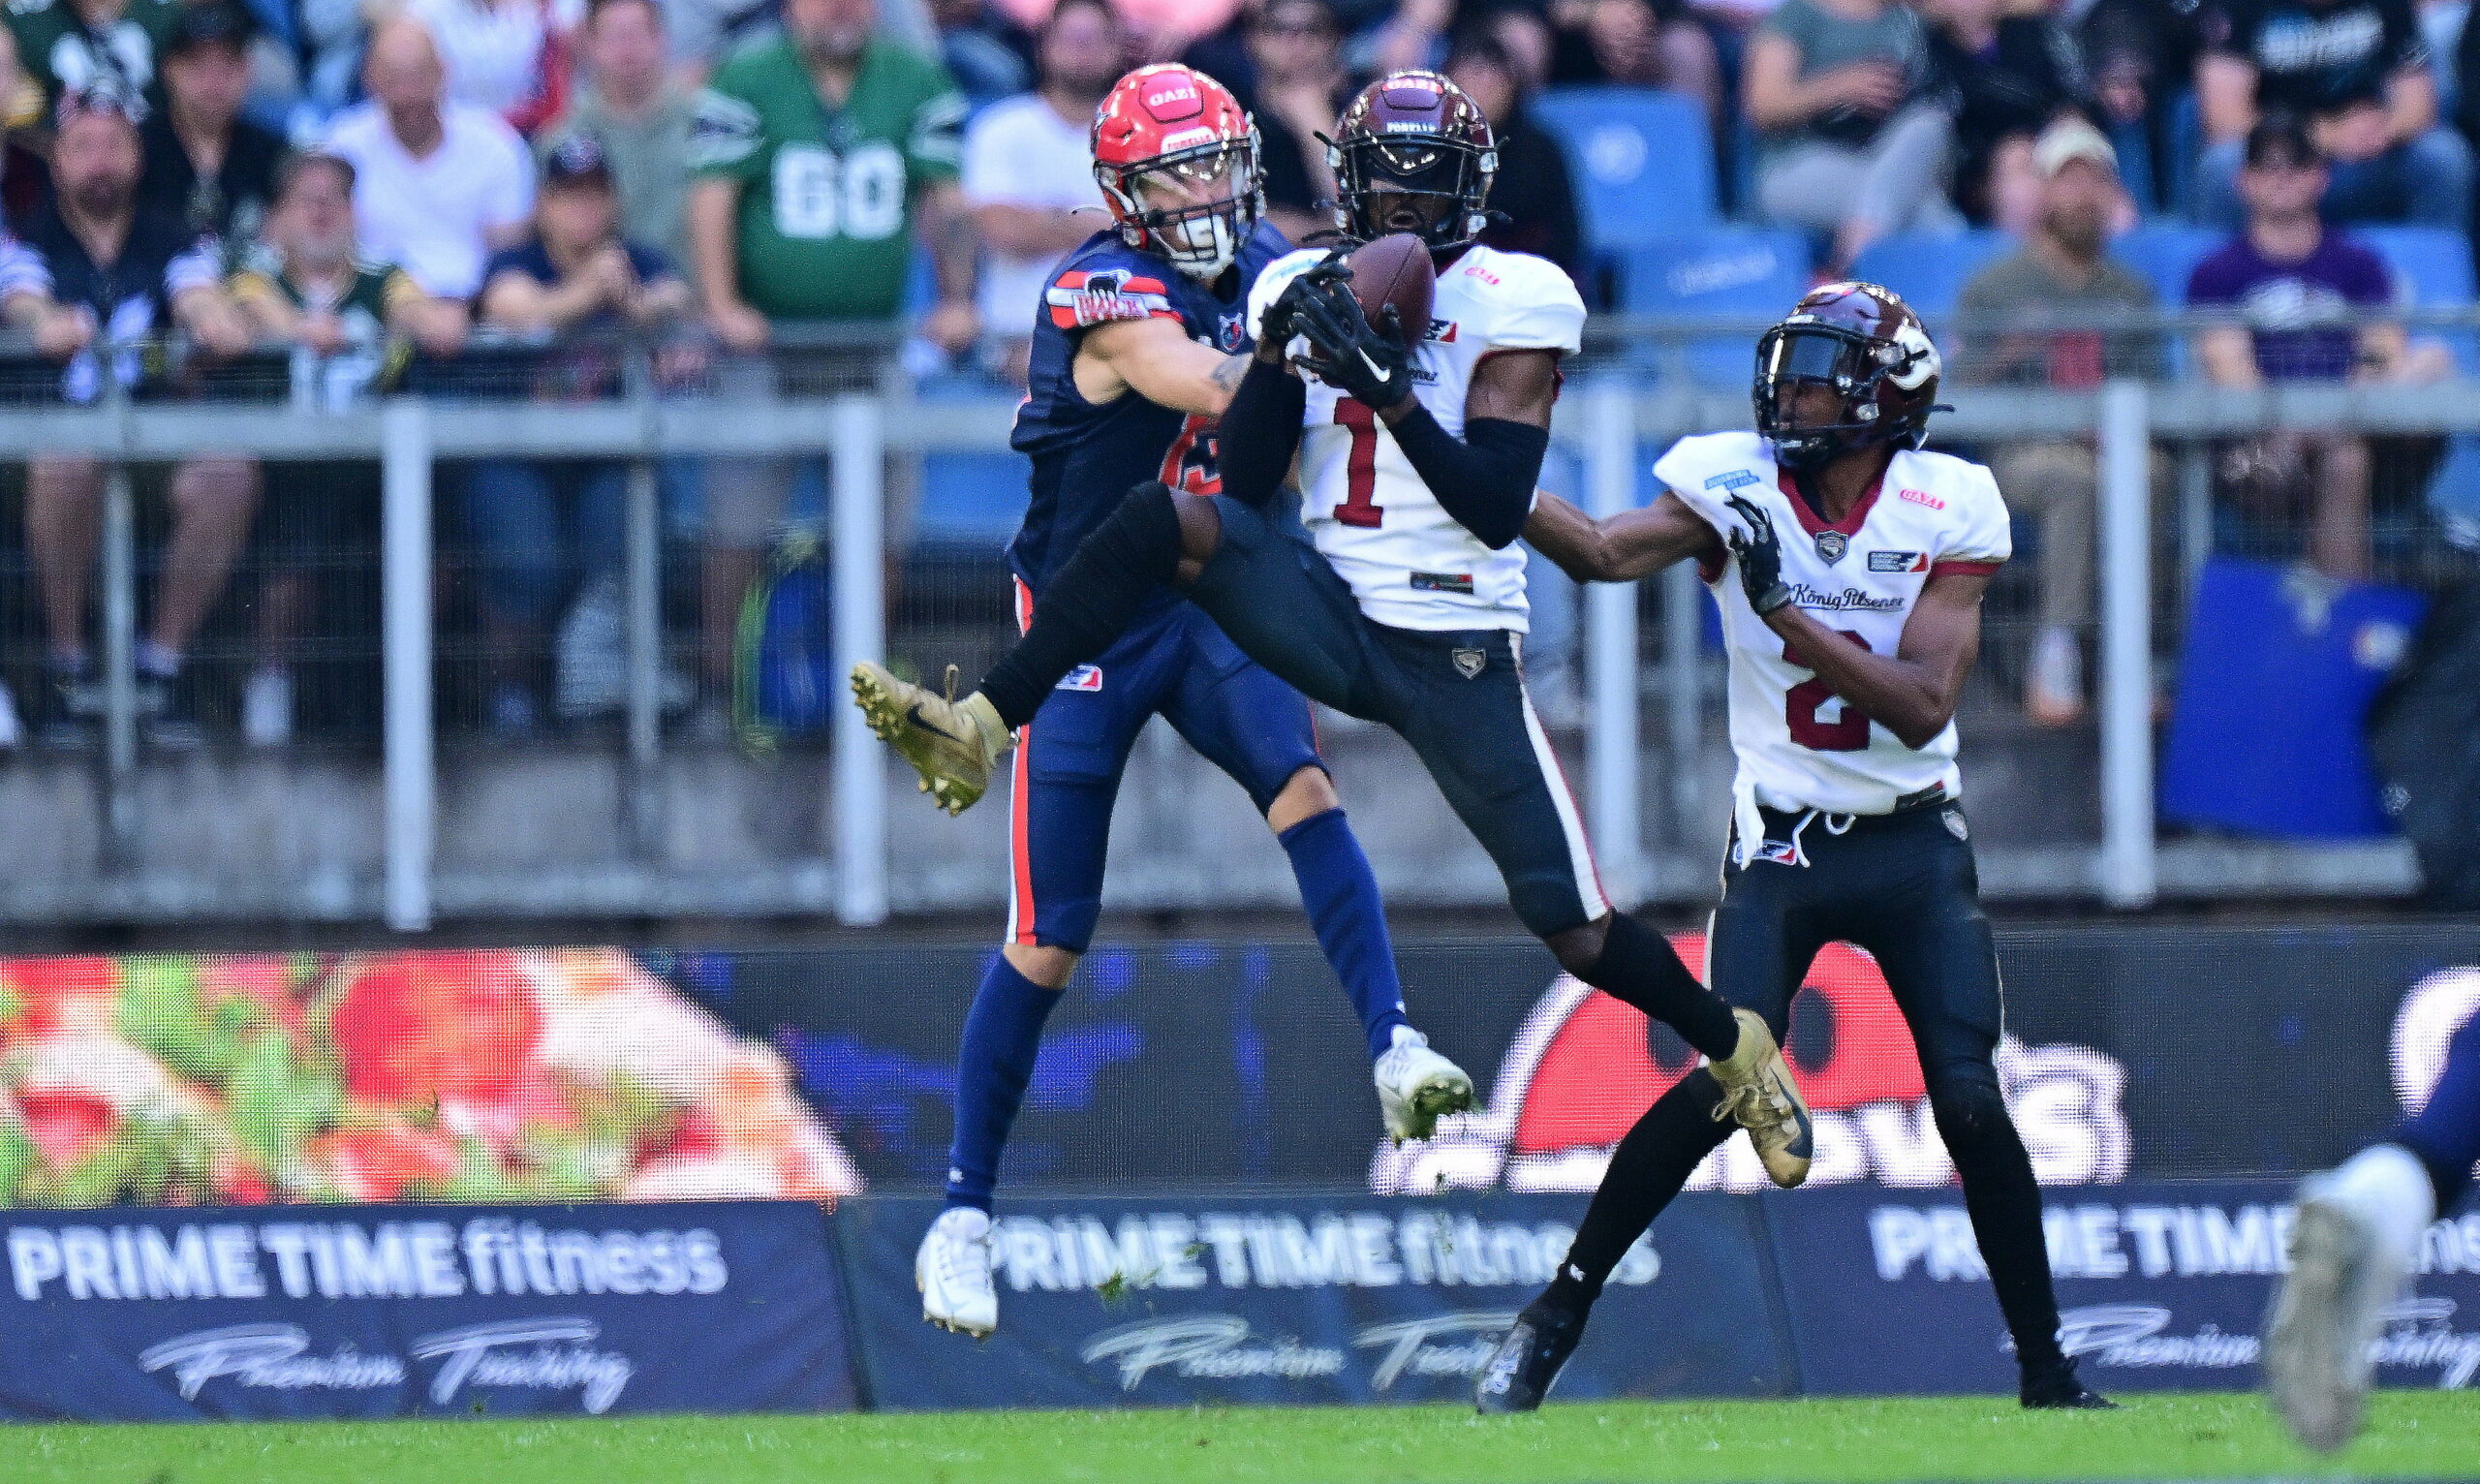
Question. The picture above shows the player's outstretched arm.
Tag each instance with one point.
(1156, 359)
(1625, 546)
(1913, 692)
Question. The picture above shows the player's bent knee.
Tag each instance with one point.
(1305, 795)
(1578, 948)
(1049, 967)
(1967, 1105)
(1200, 531)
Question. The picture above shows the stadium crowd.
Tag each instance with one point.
(371, 181)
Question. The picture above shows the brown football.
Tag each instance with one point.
(1395, 269)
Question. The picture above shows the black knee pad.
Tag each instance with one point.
(1966, 1104)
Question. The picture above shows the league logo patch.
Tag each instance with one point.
(1898, 561)
(1439, 333)
(1085, 677)
(1956, 825)
(1470, 663)
(1733, 480)
(1831, 545)
(1783, 853)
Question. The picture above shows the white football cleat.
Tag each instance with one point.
(952, 1270)
(1416, 1087)
(2351, 1252)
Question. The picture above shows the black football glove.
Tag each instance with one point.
(1368, 364)
(1282, 319)
(1760, 555)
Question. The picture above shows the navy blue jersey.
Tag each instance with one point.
(1086, 457)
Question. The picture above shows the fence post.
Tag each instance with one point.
(412, 776)
(859, 766)
(1613, 755)
(2127, 863)
(641, 602)
(120, 669)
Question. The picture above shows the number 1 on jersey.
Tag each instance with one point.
(1360, 466)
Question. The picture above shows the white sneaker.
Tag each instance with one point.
(952, 1270)
(2347, 1267)
(266, 706)
(1416, 1087)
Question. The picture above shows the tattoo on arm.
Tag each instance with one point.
(1227, 374)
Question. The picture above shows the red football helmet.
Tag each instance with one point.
(1177, 159)
(1865, 344)
(1412, 139)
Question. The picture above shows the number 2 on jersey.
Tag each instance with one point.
(1847, 734)
(1360, 466)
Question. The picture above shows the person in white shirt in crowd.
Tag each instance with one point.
(1028, 166)
(439, 185)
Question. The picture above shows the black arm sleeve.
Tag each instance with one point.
(1260, 430)
(1485, 481)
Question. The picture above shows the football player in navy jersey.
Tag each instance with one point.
(1137, 346)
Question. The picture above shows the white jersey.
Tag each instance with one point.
(1409, 563)
(1799, 747)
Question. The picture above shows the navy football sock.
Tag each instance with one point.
(1002, 1032)
(1341, 895)
(2445, 1134)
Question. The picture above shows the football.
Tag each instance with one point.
(1395, 269)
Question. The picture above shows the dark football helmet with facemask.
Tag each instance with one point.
(1865, 343)
(1412, 153)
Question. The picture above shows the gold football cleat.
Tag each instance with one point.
(1758, 1091)
(952, 744)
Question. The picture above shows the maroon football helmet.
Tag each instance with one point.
(1413, 154)
(1865, 343)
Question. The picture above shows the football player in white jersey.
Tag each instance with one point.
(1850, 566)
(1422, 448)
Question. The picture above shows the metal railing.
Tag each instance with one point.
(1610, 417)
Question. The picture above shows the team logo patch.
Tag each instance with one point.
(1831, 545)
(1956, 826)
(1898, 561)
(1732, 480)
(1924, 497)
(1470, 663)
(1085, 677)
(1081, 298)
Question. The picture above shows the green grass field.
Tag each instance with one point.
(2427, 1434)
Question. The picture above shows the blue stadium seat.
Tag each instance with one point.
(2431, 264)
(2431, 270)
(971, 500)
(1736, 271)
(2164, 253)
(1929, 270)
(971, 503)
(1642, 160)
